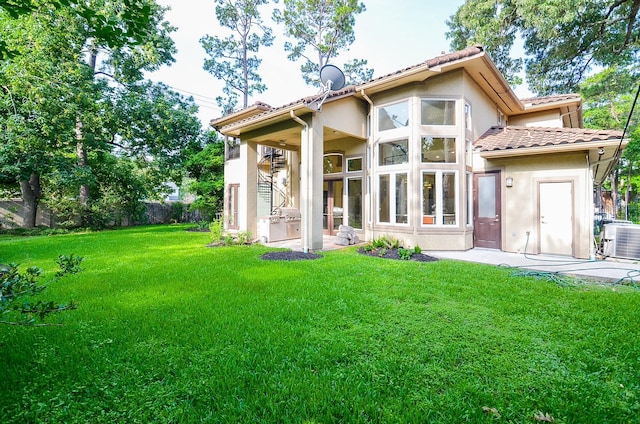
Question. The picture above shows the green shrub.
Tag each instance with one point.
(405, 254)
(243, 237)
(217, 230)
(386, 242)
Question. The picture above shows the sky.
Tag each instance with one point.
(390, 34)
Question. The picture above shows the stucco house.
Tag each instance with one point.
(441, 154)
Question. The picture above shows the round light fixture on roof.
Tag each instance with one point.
(332, 77)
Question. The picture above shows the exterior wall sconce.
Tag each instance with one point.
(509, 182)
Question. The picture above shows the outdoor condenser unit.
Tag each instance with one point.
(621, 240)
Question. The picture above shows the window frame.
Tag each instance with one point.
(392, 141)
(379, 109)
(353, 158)
(437, 218)
(438, 99)
(392, 202)
(455, 151)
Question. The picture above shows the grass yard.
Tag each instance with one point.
(168, 330)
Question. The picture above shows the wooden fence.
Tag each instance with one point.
(12, 212)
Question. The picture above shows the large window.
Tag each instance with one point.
(439, 198)
(393, 202)
(393, 116)
(438, 149)
(438, 112)
(393, 152)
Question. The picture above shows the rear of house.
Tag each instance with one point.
(441, 154)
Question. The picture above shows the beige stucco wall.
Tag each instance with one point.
(243, 171)
(539, 119)
(346, 115)
(451, 86)
(520, 203)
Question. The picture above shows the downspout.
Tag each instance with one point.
(369, 156)
(305, 232)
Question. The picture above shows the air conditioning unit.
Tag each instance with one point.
(621, 240)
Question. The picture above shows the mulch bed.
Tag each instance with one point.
(393, 254)
(289, 255)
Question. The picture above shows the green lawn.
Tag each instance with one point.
(168, 330)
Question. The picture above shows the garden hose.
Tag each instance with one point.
(564, 280)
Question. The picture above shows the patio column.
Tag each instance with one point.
(249, 222)
(311, 178)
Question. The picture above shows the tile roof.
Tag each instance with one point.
(436, 61)
(535, 101)
(511, 137)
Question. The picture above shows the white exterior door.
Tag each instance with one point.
(556, 218)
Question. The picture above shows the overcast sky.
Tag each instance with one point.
(391, 35)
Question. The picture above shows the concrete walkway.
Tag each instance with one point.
(609, 270)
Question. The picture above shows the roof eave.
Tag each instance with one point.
(555, 148)
(245, 113)
(235, 129)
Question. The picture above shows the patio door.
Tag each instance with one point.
(332, 206)
(487, 225)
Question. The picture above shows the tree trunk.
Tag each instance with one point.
(614, 193)
(83, 162)
(31, 193)
(81, 151)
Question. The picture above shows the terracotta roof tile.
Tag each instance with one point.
(535, 101)
(508, 138)
(438, 60)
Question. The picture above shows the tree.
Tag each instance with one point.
(563, 41)
(609, 100)
(322, 29)
(230, 58)
(56, 106)
(207, 168)
(35, 104)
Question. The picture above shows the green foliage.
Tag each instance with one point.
(19, 286)
(206, 167)
(321, 29)
(233, 59)
(563, 40)
(243, 237)
(72, 130)
(405, 254)
(348, 338)
(177, 210)
(417, 249)
(217, 230)
(387, 242)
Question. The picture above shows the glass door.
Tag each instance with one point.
(332, 206)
